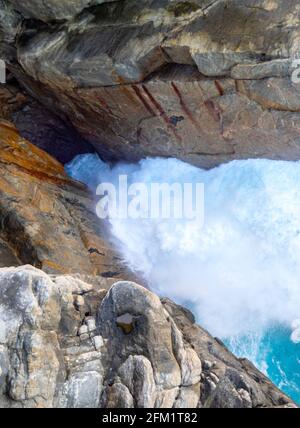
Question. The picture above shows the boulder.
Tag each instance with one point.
(165, 361)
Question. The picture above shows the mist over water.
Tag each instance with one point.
(240, 272)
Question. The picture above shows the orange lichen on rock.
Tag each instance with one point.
(46, 218)
(18, 151)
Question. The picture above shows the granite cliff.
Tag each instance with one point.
(47, 219)
(200, 80)
(206, 81)
(68, 343)
(73, 331)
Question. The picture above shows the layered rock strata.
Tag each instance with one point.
(47, 219)
(204, 81)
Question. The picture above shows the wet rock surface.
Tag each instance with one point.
(61, 347)
(205, 81)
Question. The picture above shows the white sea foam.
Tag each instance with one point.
(295, 336)
(241, 271)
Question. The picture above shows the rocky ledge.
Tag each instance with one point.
(68, 343)
(47, 219)
(206, 81)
